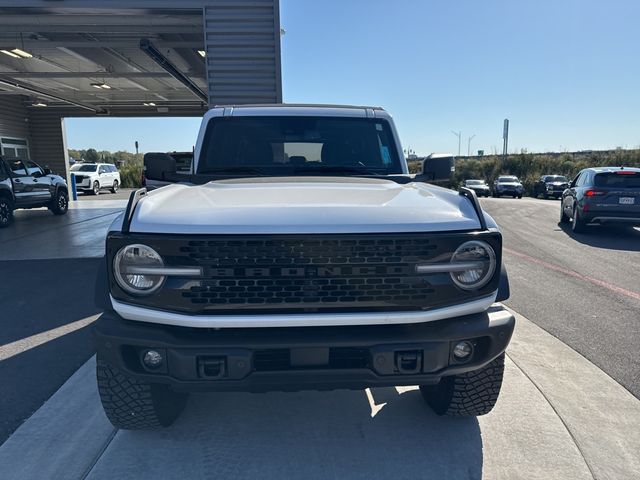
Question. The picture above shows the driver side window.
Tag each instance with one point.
(581, 179)
(575, 181)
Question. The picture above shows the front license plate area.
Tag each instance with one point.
(627, 200)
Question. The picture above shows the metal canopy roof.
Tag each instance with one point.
(91, 58)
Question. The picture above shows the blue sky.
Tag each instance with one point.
(565, 72)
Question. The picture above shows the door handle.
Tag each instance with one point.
(35, 180)
(17, 180)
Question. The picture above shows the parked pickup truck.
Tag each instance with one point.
(300, 254)
(25, 184)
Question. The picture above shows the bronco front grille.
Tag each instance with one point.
(308, 273)
(290, 272)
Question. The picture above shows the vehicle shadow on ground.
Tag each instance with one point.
(310, 435)
(612, 238)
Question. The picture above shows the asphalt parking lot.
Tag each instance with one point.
(51, 265)
(581, 289)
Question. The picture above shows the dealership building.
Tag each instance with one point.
(135, 58)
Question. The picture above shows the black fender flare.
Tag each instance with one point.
(102, 296)
(504, 290)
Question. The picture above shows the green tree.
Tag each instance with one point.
(91, 156)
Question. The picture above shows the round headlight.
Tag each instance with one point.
(477, 262)
(129, 264)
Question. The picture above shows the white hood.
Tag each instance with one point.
(303, 205)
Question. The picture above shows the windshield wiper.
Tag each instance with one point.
(336, 169)
(250, 170)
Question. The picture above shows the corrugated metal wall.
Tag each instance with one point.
(13, 117)
(40, 127)
(47, 139)
(242, 41)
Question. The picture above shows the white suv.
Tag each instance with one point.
(93, 177)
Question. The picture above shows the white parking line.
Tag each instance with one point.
(20, 346)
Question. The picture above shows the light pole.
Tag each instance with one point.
(469, 145)
(459, 135)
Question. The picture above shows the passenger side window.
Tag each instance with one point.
(17, 168)
(582, 179)
(33, 169)
(102, 170)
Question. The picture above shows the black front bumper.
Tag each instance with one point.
(302, 358)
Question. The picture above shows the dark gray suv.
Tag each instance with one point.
(604, 195)
(25, 184)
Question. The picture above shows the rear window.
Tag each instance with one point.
(618, 180)
(281, 145)
(507, 179)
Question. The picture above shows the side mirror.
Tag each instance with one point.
(47, 171)
(157, 166)
(437, 169)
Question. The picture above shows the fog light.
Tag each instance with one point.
(152, 359)
(462, 350)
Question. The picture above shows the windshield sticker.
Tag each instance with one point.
(386, 156)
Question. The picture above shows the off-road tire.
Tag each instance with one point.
(95, 188)
(466, 395)
(132, 404)
(114, 188)
(60, 203)
(578, 225)
(6, 211)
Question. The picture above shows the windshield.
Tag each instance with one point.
(475, 182)
(285, 145)
(508, 179)
(555, 178)
(84, 168)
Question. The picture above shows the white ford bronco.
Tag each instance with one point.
(299, 254)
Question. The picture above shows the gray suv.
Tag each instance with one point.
(604, 195)
(25, 184)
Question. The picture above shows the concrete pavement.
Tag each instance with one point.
(38, 234)
(558, 416)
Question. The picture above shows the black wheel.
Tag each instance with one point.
(132, 404)
(545, 196)
(469, 394)
(520, 196)
(6, 211)
(563, 216)
(114, 188)
(578, 225)
(96, 188)
(514, 196)
(60, 203)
